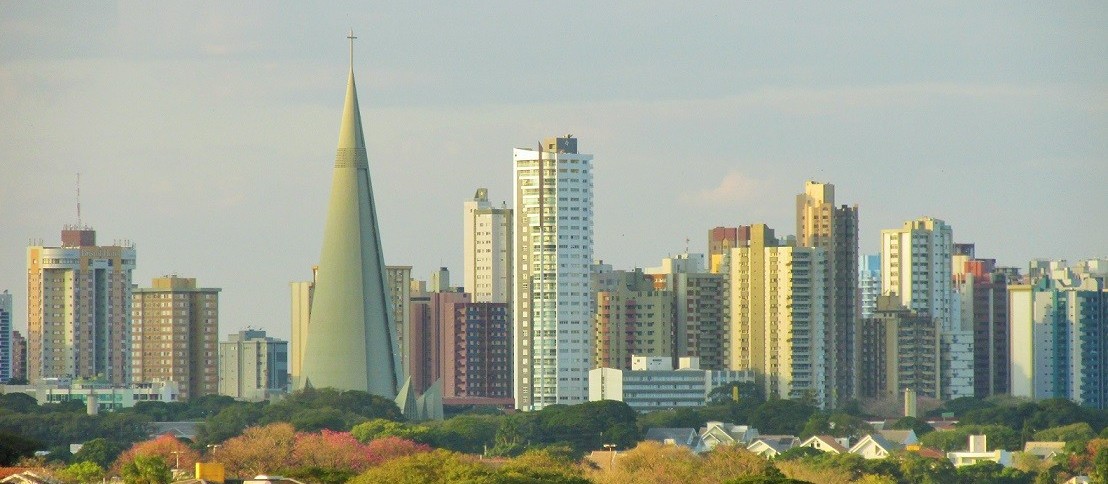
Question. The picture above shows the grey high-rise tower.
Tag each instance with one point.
(351, 339)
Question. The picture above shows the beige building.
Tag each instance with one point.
(632, 323)
(775, 314)
(79, 309)
(487, 249)
(398, 282)
(301, 296)
(899, 351)
(175, 335)
(819, 223)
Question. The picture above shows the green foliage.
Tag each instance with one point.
(83, 472)
(799, 453)
(748, 392)
(764, 480)
(922, 470)
(18, 402)
(99, 451)
(323, 475)
(146, 470)
(59, 454)
(781, 417)
(436, 466)
(1078, 432)
(998, 437)
(583, 427)
(993, 473)
(1100, 466)
(920, 427)
(229, 422)
(541, 466)
(377, 428)
(13, 447)
(465, 433)
(837, 424)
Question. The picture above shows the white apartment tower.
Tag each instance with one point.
(553, 221)
(487, 249)
(916, 266)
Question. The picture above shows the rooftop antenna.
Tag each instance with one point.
(78, 200)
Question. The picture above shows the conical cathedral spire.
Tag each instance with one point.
(351, 340)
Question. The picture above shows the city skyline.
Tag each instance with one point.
(203, 137)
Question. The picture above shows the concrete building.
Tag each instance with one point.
(1059, 330)
(652, 383)
(352, 342)
(431, 314)
(983, 294)
(477, 352)
(553, 226)
(487, 249)
(819, 223)
(775, 314)
(720, 242)
(301, 296)
(899, 350)
(632, 323)
(175, 335)
(252, 366)
(916, 266)
(869, 283)
(5, 337)
(399, 282)
(439, 281)
(103, 396)
(19, 356)
(79, 308)
(698, 328)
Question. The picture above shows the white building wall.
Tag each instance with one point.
(1020, 338)
(487, 250)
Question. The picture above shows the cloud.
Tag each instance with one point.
(735, 187)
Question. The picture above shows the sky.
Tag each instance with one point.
(205, 132)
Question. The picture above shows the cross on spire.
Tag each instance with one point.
(351, 37)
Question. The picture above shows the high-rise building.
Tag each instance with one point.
(175, 335)
(399, 282)
(79, 309)
(477, 351)
(431, 315)
(775, 314)
(351, 343)
(487, 249)
(698, 329)
(553, 226)
(983, 294)
(5, 337)
(632, 323)
(721, 240)
(1059, 330)
(869, 283)
(19, 356)
(301, 296)
(900, 350)
(819, 223)
(916, 267)
(439, 281)
(253, 366)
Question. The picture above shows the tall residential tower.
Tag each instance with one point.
(487, 249)
(175, 335)
(553, 221)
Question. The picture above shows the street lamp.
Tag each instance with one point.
(176, 461)
(612, 449)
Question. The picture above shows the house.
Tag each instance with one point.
(716, 433)
(769, 446)
(1044, 450)
(684, 437)
(977, 451)
(827, 443)
(1078, 480)
(29, 477)
(875, 446)
(180, 430)
(900, 437)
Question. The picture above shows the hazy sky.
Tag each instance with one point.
(206, 133)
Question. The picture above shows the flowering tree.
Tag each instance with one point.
(259, 450)
(171, 451)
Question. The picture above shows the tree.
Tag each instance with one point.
(332, 450)
(1078, 432)
(781, 417)
(748, 392)
(18, 402)
(144, 469)
(13, 447)
(730, 461)
(83, 472)
(389, 448)
(919, 426)
(436, 466)
(229, 422)
(167, 447)
(536, 466)
(651, 462)
(465, 433)
(378, 428)
(99, 451)
(258, 450)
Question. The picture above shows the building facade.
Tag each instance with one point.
(983, 299)
(79, 309)
(175, 335)
(720, 242)
(1059, 332)
(819, 223)
(487, 249)
(301, 309)
(652, 383)
(478, 353)
(899, 350)
(6, 356)
(916, 267)
(553, 248)
(399, 282)
(252, 366)
(775, 315)
(429, 343)
(19, 356)
(632, 323)
(869, 283)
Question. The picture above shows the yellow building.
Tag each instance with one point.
(632, 323)
(175, 335)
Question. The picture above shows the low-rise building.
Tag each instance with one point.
(977, 451)
(97, 396)
(653, 384)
